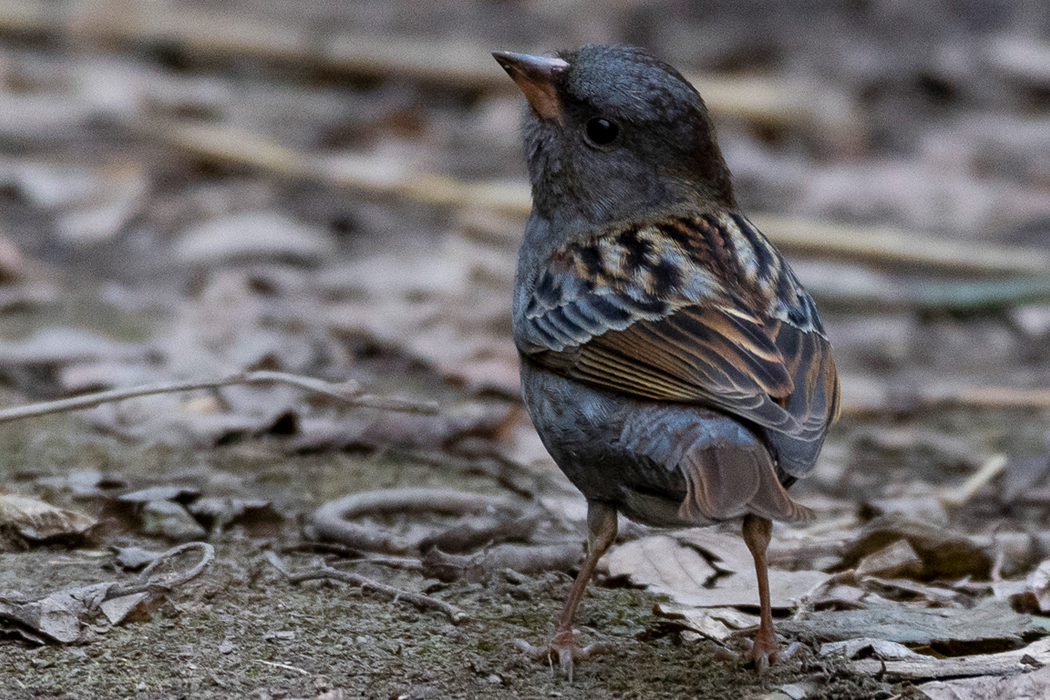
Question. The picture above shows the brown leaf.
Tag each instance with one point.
(945, 554)
(714, 623)
(991, 625)
(1006, 663)
(136, 607)
(726, 552)
(898, 559)
(866, 646)
(1024, 686)
(36, 521)
(665, 565)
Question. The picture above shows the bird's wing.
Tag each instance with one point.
(697, 309)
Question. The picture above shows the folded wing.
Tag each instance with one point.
(695, 310)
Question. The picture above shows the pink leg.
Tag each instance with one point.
(764, 649)
(601, 525)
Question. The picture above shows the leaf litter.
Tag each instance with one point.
(186, 214)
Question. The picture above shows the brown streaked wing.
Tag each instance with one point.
(746, 341)
(815, 401)
(694, 355)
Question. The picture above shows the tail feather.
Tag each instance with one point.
(726, 481)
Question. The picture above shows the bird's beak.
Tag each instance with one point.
(538, 77)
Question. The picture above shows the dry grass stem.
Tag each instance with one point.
(346, 392)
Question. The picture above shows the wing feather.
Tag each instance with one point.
(695, 310)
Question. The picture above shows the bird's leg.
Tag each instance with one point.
(601, 526)
(764, 649)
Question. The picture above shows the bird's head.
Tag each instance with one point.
(613, 133)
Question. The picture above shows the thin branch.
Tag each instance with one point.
(144, 583)
(332, 521)
(800, 237)
(284, 666)
(424, 602)
(988, 471)
(347, 392)
(932, 295)
(939, 397)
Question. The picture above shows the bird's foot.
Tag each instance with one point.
(564, 650)
(763, 651)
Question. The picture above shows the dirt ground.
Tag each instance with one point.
(243, 631)
(195, 189)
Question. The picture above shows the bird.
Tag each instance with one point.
(670, 360)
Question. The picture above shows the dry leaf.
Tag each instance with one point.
(1024, 686)
(1007, 663)
(725, 551)
(667, 566)
(714, 623)
(899, 559)
(136, 607)
(945, 554)
(37, 521)
(1039, 583)
(957, 631)
(58, 616)
(867, 646)
(663, 564)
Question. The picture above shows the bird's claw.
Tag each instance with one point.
(563, 650)
(763, 652)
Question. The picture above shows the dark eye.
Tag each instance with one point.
(602, 132)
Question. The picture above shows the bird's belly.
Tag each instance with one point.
(621, 450)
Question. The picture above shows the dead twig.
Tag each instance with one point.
(286, 667)
(896, 250)
(61, 615)
(331, 520)
(144, 583)
(520, 558)
(799, 237)
(933, 296)
(988, 471)
(207, 556)
(404, 563)
(424, 602)
(347, 392)
(910, 401)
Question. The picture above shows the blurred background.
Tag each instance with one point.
(336, 189)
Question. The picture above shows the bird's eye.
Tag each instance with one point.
(602, 132)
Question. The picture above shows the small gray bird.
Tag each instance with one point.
(671, 362)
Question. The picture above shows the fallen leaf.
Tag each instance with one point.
(867, 647)
(898, 559)
(991, 626)
(725, 551)
(171, 520)
(136, 607)
(714, 623)
(1024, 686)
(944, 553)
(133, 558)
(58, 616)
(840, 597)
(665, 565)
(1005, 663)
(39, 522)
(1039, 583)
